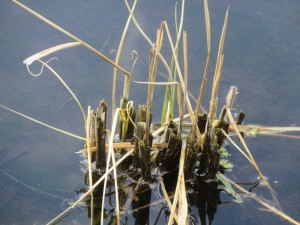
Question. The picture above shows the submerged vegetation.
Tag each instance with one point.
(183, 156)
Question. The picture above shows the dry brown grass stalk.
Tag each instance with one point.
(49, 51)
(218, 70)
(208, 40)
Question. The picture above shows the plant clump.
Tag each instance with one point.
(184, 158)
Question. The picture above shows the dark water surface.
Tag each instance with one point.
(261, 58)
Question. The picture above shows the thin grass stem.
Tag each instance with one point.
(88, 139)
(66, 86)
(44, 124)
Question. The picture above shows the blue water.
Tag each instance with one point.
(261, 58)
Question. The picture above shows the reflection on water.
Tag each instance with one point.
(141, 201)
(261, 58)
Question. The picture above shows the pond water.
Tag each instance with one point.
(39, 171)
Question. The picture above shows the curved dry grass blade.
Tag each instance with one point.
(44, 124)
(66, 86)
(71, 36)
(91, 189)
(49, 51)
(42, 68)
